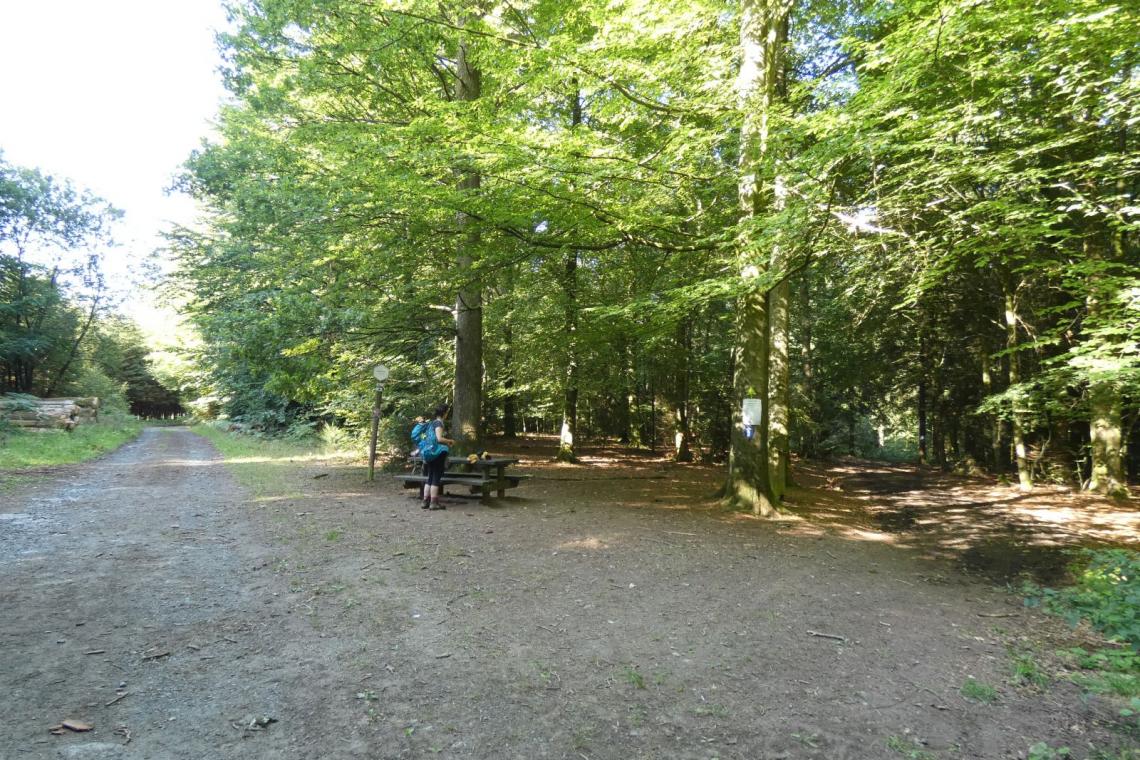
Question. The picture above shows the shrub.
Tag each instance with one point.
(93, 382)
(1106, 594)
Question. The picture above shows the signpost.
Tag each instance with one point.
(380, 372)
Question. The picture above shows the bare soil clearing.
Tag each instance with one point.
(606, 610)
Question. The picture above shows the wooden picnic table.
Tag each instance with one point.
(482, 476)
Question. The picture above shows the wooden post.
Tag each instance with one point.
(375, 431)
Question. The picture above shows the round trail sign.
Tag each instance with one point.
(380, 372)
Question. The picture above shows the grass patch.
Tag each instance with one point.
(633, 677)
(1113, 754)
(810, 740)
(979, 691)
(908, 748)
(1027, 672)
(11, 481)
(264, 466)
(22, 450)
(1042, 751)
(1107, 682)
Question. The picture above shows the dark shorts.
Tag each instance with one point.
(434, 469)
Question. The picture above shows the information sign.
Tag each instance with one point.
(751, 411)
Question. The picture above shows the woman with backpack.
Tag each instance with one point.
(435, 458)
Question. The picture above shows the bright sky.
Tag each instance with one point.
(113, 95)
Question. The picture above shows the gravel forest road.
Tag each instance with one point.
(606, 612)
(127, 605)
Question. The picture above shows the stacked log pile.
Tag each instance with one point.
(29, 413)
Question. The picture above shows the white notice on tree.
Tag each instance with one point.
(751, 410)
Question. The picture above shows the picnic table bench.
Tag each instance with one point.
(481, 476)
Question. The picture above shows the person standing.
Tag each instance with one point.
(434, 468)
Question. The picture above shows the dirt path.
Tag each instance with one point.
(597, 614)
(134, 577)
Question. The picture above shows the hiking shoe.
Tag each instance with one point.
(425, 505)
(438, 506)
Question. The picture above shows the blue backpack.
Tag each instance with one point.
(423, 434)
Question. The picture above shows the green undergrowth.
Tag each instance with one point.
(909, 748)
(1106, 596)
(1042, 751)
(22, 450)
(265, 466)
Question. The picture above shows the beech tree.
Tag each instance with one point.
(907, 229)
(52, 237)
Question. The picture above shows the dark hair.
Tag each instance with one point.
(441, 410)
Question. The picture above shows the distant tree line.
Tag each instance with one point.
(59, 335)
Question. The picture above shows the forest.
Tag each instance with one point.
(906, 229)
(61, 331)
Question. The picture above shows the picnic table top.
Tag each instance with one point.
(491, 462)
(485, 462)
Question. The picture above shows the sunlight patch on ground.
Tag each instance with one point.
(175, 463)
(677, 504)
(807, 530)
(664, 503)
(911, 499)
(1106, 525)
(277, 498)
(1061, 515)
(592, 543)
(958, 542)
(290, 459)
(793, 523)
(859, 534)
(599, 463)
(357, 494)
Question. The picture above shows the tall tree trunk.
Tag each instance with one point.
(998, 445)
(1061, 434)
(1106, 440)
(1024, 475)
(725, 411)
(988, 389)
(961, 439)
(510, 403)
(762, 56)
(649, 430)
(59, 376)
(466, 421)
(807, 436)
(779, 305)
(779, 391)
(682, 438)
(1106, 429)
(24, 368)
(938, 427)
(569, 432)
(625, 398)
(922, 401)
(1106, 437)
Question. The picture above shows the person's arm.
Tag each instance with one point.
(439, 436)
